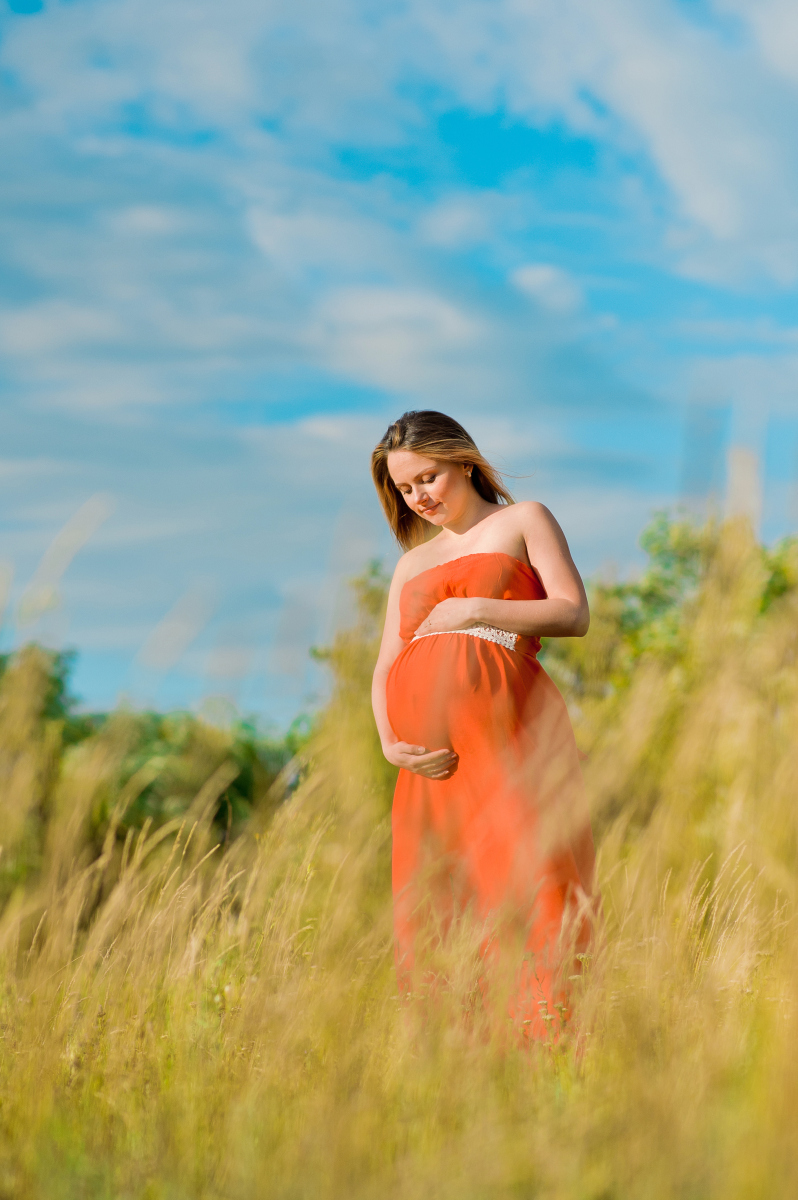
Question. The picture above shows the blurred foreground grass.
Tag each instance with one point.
(192, 1006)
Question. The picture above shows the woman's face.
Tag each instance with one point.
(439, 491)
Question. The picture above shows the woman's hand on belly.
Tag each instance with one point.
(458, 612)
(432, 764)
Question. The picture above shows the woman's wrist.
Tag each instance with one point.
(478, 614)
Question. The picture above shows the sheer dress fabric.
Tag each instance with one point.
(507, 838)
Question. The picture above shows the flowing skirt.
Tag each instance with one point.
(506, 838)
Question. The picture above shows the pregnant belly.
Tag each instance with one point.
(454, 691)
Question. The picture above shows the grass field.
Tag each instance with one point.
(185, 1013)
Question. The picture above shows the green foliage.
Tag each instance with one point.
(183, 751)
(781, 564)
(678, 554)
(648, 618)
(160, 763)
(60, 703)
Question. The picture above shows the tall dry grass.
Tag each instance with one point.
(184, 1019)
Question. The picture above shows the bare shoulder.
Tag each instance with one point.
(541, 532)
(411, 562)
(531, 514)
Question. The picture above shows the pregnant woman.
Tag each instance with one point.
(488, 815)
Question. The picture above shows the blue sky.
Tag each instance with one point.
(236, 240)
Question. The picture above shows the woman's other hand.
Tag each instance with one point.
(432, 764)
(458, 612)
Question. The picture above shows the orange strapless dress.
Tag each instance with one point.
(507, 837)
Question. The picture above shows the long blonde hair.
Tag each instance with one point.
(440, 437)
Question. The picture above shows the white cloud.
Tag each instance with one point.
(756, 385)
(774, 24)
(399, 340)
(147, 278)
(762, 331)
(146, 219)
(713, 117)
(456, 221)
(344, 429)
(17, 470)
(53, 326)
(345, 244)
(552, 288)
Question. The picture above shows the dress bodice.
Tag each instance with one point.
(495, 575)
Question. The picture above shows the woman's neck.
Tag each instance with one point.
(477, 511)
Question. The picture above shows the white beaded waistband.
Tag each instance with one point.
(488, 633)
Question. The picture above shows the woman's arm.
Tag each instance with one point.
(564, 612)
(435, 764)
